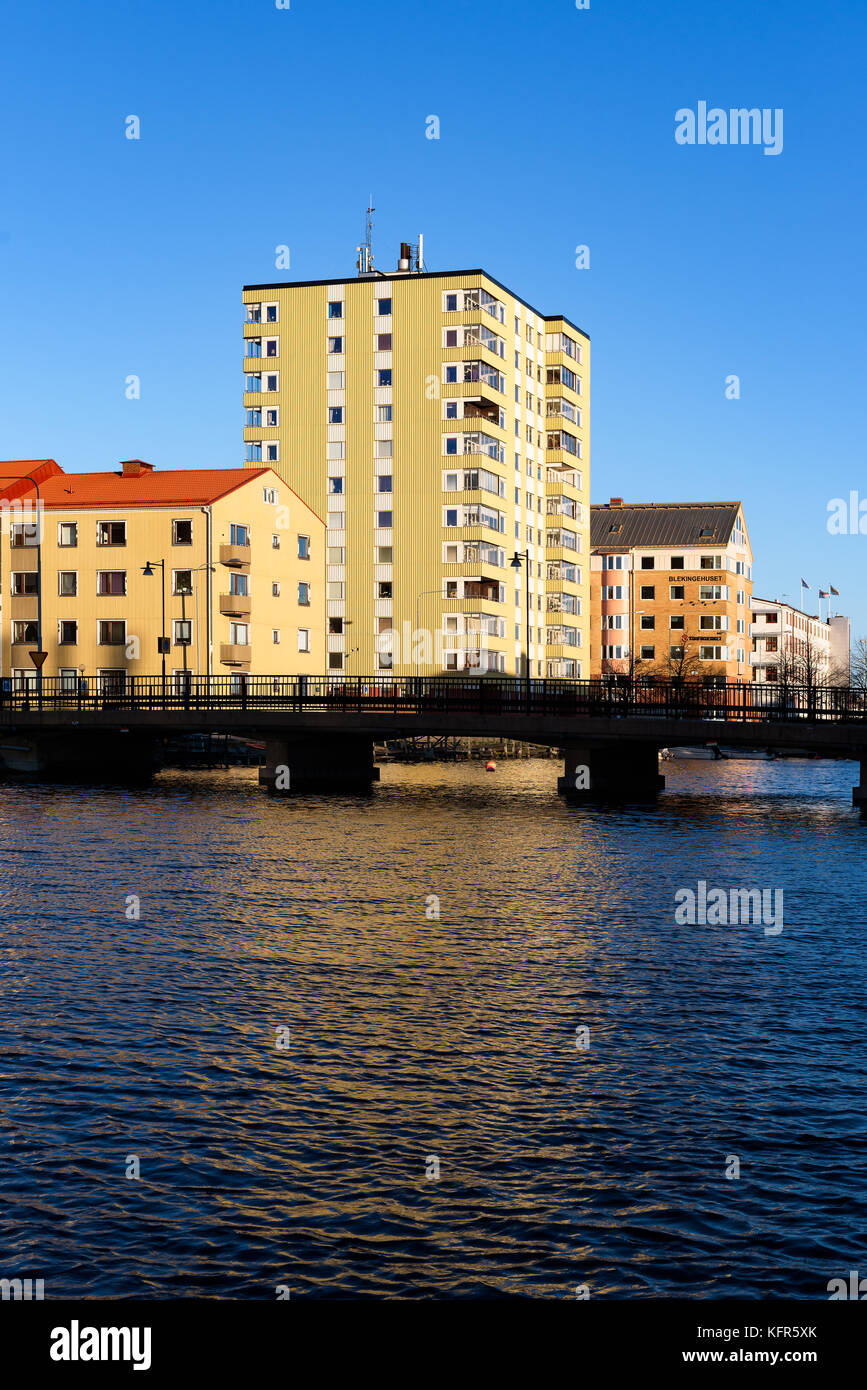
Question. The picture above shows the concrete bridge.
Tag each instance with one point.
(319, 731)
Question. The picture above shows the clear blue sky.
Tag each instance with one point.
(262, 126)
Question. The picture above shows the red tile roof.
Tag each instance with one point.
(175, 487)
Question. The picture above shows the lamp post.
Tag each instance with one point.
(522, 557)
(39, 656)
(148, 571)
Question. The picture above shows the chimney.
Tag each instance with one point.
(133, 468)
(405, 262)
(616, 502)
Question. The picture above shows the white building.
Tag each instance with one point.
(798, 647)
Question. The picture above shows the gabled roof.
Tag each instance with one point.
(150, 488)
(662, 524)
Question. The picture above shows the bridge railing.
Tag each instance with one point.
(408, 695)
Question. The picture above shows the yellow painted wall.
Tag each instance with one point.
(417, 397)
(149, 538)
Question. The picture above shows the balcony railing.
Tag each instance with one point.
(235, 605)
(234, 554)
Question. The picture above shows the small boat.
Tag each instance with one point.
(490, 766)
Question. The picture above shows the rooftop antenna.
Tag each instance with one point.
(364, 263)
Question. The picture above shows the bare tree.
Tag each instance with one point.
(857, 677)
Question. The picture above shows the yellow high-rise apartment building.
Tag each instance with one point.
(441, 425)
(243, 560)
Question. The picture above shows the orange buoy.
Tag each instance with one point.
(490, 767)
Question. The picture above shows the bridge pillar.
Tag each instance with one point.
(318, 762)
(80, 757)
(859, 793)
(620, 771)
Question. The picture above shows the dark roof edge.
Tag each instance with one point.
(634, 506)
(413, 275)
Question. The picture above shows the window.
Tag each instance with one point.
(335, 344)
(304, 594)
(335, 661)
(303, 639)
(711, 562)
(111, 583)
(111, 533)
(270, 313)
(770, 644)
(612, 562)
(272, 347)
(647, 591)
(384, 555)
(239, 584)
(677, 591)
(272, 452)
(451, 303)
(384, 519)
(67, 632)
(67, 581)
(67, 533)
(647, 562)
(384, 482)
(183, 632)
(383, 378)
(335, 484)
(451, 375)
(335, 381)
(677, 622)
(383, 448)
(25, 582)
(303, 547)
(182, 532)
(111, 634)
(677, 562)
(383, 589)
(239, 535)
(383, 413)
(275, 588)
(239, 634)
(335, 626)
(647, 622)
(275, 635)
(383, 342)
(335, 308)
(275, 542)
(335, 415)
(383, 307)
(647, 653)
(271, 381)
(25, 632)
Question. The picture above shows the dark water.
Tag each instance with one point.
(413, 1037)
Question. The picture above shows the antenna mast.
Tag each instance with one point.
(364, 264)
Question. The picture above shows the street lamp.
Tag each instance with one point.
(148, 571)
(519, 558)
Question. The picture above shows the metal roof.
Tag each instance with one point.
(662, 524)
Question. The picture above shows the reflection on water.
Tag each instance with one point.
(414, 1036)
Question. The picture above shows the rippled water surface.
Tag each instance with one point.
(412, 1038)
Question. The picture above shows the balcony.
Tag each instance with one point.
(235, 605)
(234, 555)
(233, 655)
(482, 408)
